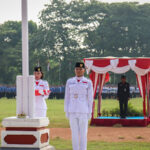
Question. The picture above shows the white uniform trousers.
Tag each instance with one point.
(79, 128)
(40, 112)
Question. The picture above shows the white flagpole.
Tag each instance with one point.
(25, 47)
(25, 55)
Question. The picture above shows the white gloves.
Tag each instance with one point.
(67, 115)
(89, 116)
(41, 92)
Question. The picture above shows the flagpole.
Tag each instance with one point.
(25, 55)
(25, 45)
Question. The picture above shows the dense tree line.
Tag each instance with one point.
(69, 32)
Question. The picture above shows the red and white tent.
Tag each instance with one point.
(99, 68)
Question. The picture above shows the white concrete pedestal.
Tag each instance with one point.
(25, 134)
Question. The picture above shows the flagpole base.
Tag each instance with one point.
(25, 134)
(44, 148)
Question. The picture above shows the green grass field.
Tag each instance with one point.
(56, 109)
(57, 118)
(94, 145)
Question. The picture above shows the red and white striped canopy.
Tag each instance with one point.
(99, 67)
(140, 66)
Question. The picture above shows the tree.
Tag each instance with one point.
(123, 32)
(57, 41)
(10, 50)
(69, 32)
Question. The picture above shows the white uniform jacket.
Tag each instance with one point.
(78, 96)
(40, 100)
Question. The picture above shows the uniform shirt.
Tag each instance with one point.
(40, 100)
(78, 96)
(123, 90)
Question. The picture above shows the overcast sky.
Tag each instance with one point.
(11, 9)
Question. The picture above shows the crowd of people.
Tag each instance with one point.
(109, 92)
(10, 92)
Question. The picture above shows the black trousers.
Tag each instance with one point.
(123, 103)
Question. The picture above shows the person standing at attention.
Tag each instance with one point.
(123, 95)
(78, 106)
(41, 93)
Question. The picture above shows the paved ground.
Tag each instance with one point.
(107, 134)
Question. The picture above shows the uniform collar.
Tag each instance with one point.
(79, 79)
(38, 81)
(123, 82)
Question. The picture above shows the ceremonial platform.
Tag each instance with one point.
(25, 133)
(128, 121)
(99, 68)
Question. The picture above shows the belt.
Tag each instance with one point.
(76, 96)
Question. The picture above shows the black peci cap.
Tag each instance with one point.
(80, 65)
(38, 69)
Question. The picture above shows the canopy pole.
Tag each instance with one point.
(148, 96)
(101, 84)
(93, 108)
(95, 83)
(99, 96)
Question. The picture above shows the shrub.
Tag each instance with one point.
(116, 111)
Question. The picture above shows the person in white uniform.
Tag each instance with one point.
(78, 106)
(40, 86)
